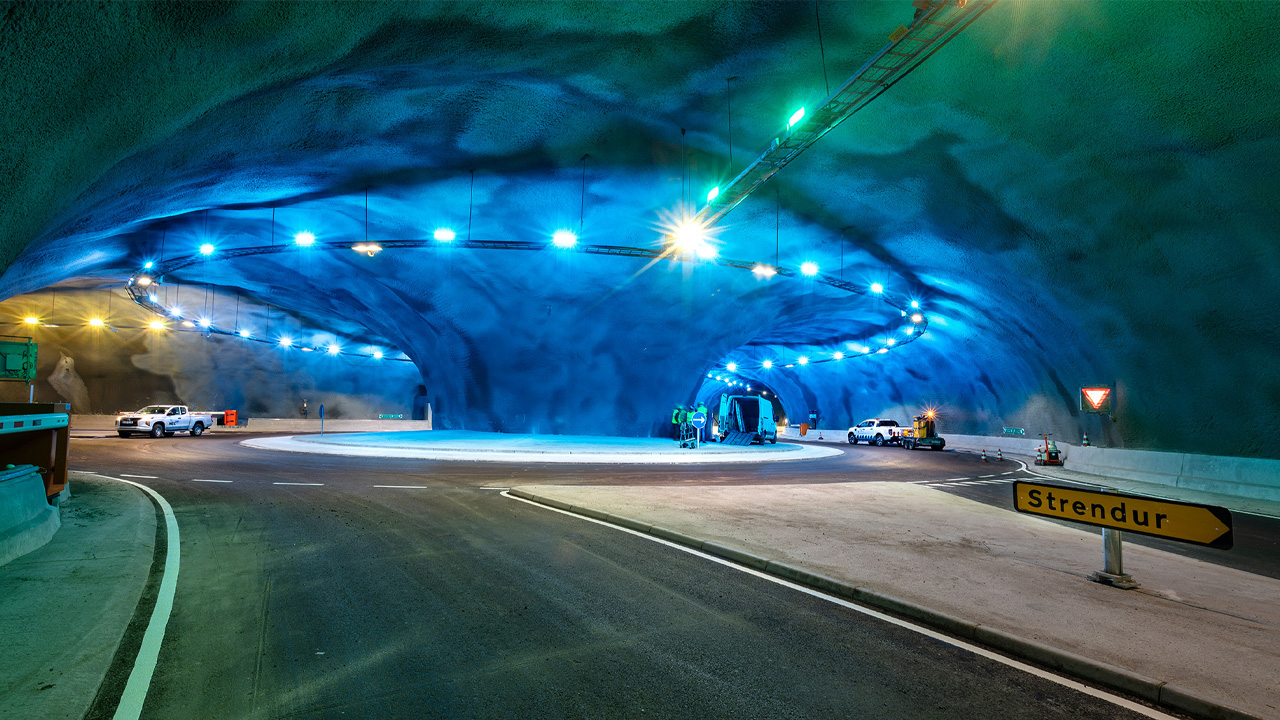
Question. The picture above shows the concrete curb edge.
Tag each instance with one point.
(1157, 692)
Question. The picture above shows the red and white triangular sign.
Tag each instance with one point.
(1096, 396)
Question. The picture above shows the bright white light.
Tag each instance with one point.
(766, 364)
(708, 375)
(31, 320)
(564, 239)
(707, 251)
(206, 249)
(96, 322)
(891, 342)
(838, 355)
(810, 268)
(908, 329)
(286, 341)
(244, 333)
(377, 354)
(915, 304)
(917, 318)
(333, 349)
(157, 324)
(188, 324)
(304, 239)
(153, 297)
(719, 379)
(764, 271)
(882, 351)
(143, 281)
(796, 117)
(803, 360)
(864, 349)
(877, 288)
(731, 367)
(369, 249)
(205, 322)
(715, 193)
(444, 235)
(691, 237)
(176, 311)
(148, 266)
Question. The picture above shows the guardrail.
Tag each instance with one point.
(37, 434)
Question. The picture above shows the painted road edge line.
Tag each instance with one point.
(1155, 691)
(144, 665)
(307, 484)
(217, 481)
(405, 487)
(144, 477)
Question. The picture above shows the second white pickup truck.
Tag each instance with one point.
(163, 421)
(877, 431)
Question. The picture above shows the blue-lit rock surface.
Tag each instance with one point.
(1076, 193)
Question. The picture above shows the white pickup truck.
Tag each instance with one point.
(878, 431)
(163, 421)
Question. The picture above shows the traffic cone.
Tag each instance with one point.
(999, 455)
(984, 454)
(1039, 456)
(1086, 440)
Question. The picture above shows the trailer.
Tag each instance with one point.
(923, 433)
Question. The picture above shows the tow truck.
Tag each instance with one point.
(163, 421)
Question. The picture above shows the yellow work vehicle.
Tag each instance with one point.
(923, 433)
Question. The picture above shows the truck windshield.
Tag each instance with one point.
(154, 410)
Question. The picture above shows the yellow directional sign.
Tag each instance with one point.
(1198, 524)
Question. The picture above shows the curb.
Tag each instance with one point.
(1157, 692)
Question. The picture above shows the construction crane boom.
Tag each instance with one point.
(938, 22)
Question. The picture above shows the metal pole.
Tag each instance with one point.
(1112, 553)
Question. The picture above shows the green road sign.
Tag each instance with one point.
(1015, 431)
(17, 361)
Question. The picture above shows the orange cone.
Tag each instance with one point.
(1086, 440)
(999, 455)
(984, 454)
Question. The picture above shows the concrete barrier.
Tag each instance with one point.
(289, 425)
(27, 520)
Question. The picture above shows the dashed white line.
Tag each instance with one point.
(406, 487)
(307, 484)
(986, 476)
(495, 488)
(217, 481)
(954, 479)
(145, 477)
(1010, 472)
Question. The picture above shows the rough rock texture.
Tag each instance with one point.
(1075, 192)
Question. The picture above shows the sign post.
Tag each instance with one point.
(321, 419)
(699, 419)
(1207, 525)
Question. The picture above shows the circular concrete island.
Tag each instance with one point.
(508, 447)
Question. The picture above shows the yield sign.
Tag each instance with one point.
(1095, 399)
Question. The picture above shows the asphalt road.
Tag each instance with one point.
(446, 600)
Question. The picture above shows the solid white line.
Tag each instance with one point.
(927, 632)
(986, 476)
(144, 665)
(1010, 472)
(308, 484)
(936, 485)
(144, 477)
(954, 479)
(217, 481)
(408, 487)
(495, 488)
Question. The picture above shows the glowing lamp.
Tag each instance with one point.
(143, 281)
(96, 322)
(915, 304)
(157, 325)
(564, 239)
(206, 249)
(304, 239)
(148, 266)
(809, 269)
(377, 354)
(764, 271)
(244, 333)
(802, 360)
(176, 312)
(333, 349)
(891, 342)
(882, 351)
(796, 117)
(766, 364)
(205, 323)
(731, 367)
(286, 342)
(715, 193)
(838, 355)
(877, 288)
(31, 320)
(444, 235)
(369, 249)
(917, 318)
(188, 324)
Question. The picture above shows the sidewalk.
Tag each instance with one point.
(65, 607)
(1202, 629)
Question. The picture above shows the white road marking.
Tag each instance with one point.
(144, 477)
(144, 665)
(936, 485)
(495, 488)
(986, 476)
(1010, 472)
(217, 481)
(308, 484)
(954, 479)
(407, 487)
(927, 632)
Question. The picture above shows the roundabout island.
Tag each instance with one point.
(463, 445)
